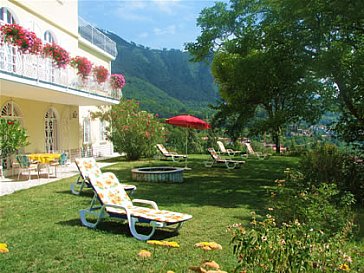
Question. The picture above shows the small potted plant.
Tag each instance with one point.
(59, 55)
(100, 73)
(83, 66)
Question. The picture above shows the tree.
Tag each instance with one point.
(133, 131)
(335, 37)
(259, 63)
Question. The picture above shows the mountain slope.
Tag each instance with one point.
(164, 81)
(151, 98)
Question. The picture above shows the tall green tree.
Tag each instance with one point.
(260, 63)
(323, 39)
(334, 36)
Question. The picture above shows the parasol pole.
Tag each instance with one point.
(186, 160)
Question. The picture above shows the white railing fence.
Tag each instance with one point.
(40, 68)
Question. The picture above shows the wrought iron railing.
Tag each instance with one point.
(96, 37)
(41, 69)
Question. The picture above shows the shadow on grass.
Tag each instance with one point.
(247, 186)
(87, 192)
(122, 228)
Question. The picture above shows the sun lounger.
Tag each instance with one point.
(111, 200)
(167, 154)
(250, 151)
(88, 166)
(216, 159)
(223, 150)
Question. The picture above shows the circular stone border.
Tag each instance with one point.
(158, 174)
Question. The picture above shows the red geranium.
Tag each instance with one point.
(117, 81)
(101, 74)
(26, 41)
(83, 65)
(59, 55)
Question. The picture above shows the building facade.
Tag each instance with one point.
(53, 103)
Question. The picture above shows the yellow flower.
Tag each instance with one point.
(208, 246)
(347, 258)
(211, 264)
(144, 254)
(170, 271)
(171, 244)
(154, 242)
(344, 267)
(163, 243)
(4, 248)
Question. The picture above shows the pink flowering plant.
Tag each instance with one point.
(100, 73)
(83, 66)
(60, 56)
(134, 132)
(26, 41)
(117, 81)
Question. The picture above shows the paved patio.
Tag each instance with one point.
(10, 185)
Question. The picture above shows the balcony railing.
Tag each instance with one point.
(42, 69)
(96, 37)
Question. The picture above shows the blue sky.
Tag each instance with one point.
(156, 24)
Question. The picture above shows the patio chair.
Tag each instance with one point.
(216, 159)
(173, 155)
(61, 162)
(15, 166)
(88, 166)
(26, 165)
(111, 200)
(250, 151)
(223, 150)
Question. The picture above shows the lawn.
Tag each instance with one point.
(42, 228)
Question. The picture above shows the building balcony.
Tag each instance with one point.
(96, 37)
(35, 77)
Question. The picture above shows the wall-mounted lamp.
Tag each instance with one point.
(74, 114)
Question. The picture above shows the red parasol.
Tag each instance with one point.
(188, 121)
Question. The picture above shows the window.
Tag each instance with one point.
(50, 130)
(48, 37)
(10, 111)
(6, 16)
(86, 131)
(102, 127)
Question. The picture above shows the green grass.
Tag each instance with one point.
(42, 228)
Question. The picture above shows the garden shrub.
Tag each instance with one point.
(12, 137)
(321, 207)
(307, 230)
(290, 247)
(327, 164)
(176, 140)
(322, 164)
(134, 132)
